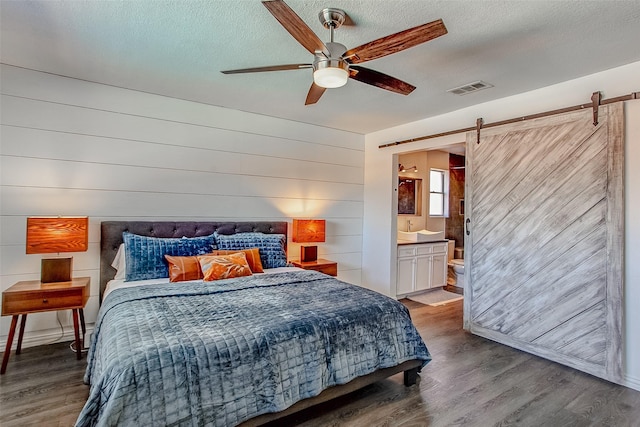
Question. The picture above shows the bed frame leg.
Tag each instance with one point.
(411, 376)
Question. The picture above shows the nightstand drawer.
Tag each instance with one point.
(331, 270)
(29, 302)
(322, 265)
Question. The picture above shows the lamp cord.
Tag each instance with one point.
(72, 346)
(84, 349)
(61, 331)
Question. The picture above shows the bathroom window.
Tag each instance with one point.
(437, 192)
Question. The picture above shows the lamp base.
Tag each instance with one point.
(308, 253)
(55, 270)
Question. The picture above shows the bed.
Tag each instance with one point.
(237, 351)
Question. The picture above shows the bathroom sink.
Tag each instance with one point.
(421, 236)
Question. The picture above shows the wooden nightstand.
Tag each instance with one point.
(33, 297)
(322, 265)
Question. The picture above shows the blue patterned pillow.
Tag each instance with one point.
(271, 246)
(145, 255)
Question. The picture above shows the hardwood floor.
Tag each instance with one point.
(471, 381)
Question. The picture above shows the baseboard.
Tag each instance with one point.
(46, 337)
(631, 382)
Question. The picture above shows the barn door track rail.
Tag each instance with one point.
(596, 101)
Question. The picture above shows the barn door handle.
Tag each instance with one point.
(466, 226)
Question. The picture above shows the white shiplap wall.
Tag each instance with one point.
(71, 147)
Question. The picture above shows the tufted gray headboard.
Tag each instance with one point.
(111, 235)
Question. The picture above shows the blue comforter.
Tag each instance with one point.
(219, 353)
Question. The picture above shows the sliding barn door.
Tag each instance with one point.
(545, 238)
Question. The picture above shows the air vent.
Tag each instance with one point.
(470, 87)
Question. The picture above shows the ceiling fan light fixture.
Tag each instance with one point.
(330, 77)
(333, 64)
(330, 73)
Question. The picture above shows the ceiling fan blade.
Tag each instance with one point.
(395, 42)
(381, 80)
(315, 92)
(295, 26)
(268, 68)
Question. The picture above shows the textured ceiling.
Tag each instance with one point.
(177, 48)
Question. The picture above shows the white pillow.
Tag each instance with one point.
(119, 263)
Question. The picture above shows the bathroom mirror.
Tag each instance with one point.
(409, 196)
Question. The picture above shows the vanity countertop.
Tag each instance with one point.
(409, 242)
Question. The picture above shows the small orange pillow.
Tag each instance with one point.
(182, 268)
(216, 267)
(253, 257)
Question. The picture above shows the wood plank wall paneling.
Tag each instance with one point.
(71, 147)
(33, 85)
(544, 256)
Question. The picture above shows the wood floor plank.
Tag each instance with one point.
(472, 381)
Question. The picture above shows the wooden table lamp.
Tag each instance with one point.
(54, 235)
(308, 231)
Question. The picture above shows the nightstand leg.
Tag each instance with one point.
(82, 325)
(7, 350)
(76, 329)
(21, 333)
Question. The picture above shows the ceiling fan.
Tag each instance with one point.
(333, 64)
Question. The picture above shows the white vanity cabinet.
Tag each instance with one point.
(421, 266)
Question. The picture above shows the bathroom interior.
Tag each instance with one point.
(447, 164)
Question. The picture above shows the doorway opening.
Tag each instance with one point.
(433, 200)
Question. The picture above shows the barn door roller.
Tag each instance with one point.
(595, 102)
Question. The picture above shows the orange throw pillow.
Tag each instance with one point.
(216, 267)
(252, 255)
(182, 268)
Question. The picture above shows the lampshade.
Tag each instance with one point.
(308, 230)
(57, 234)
